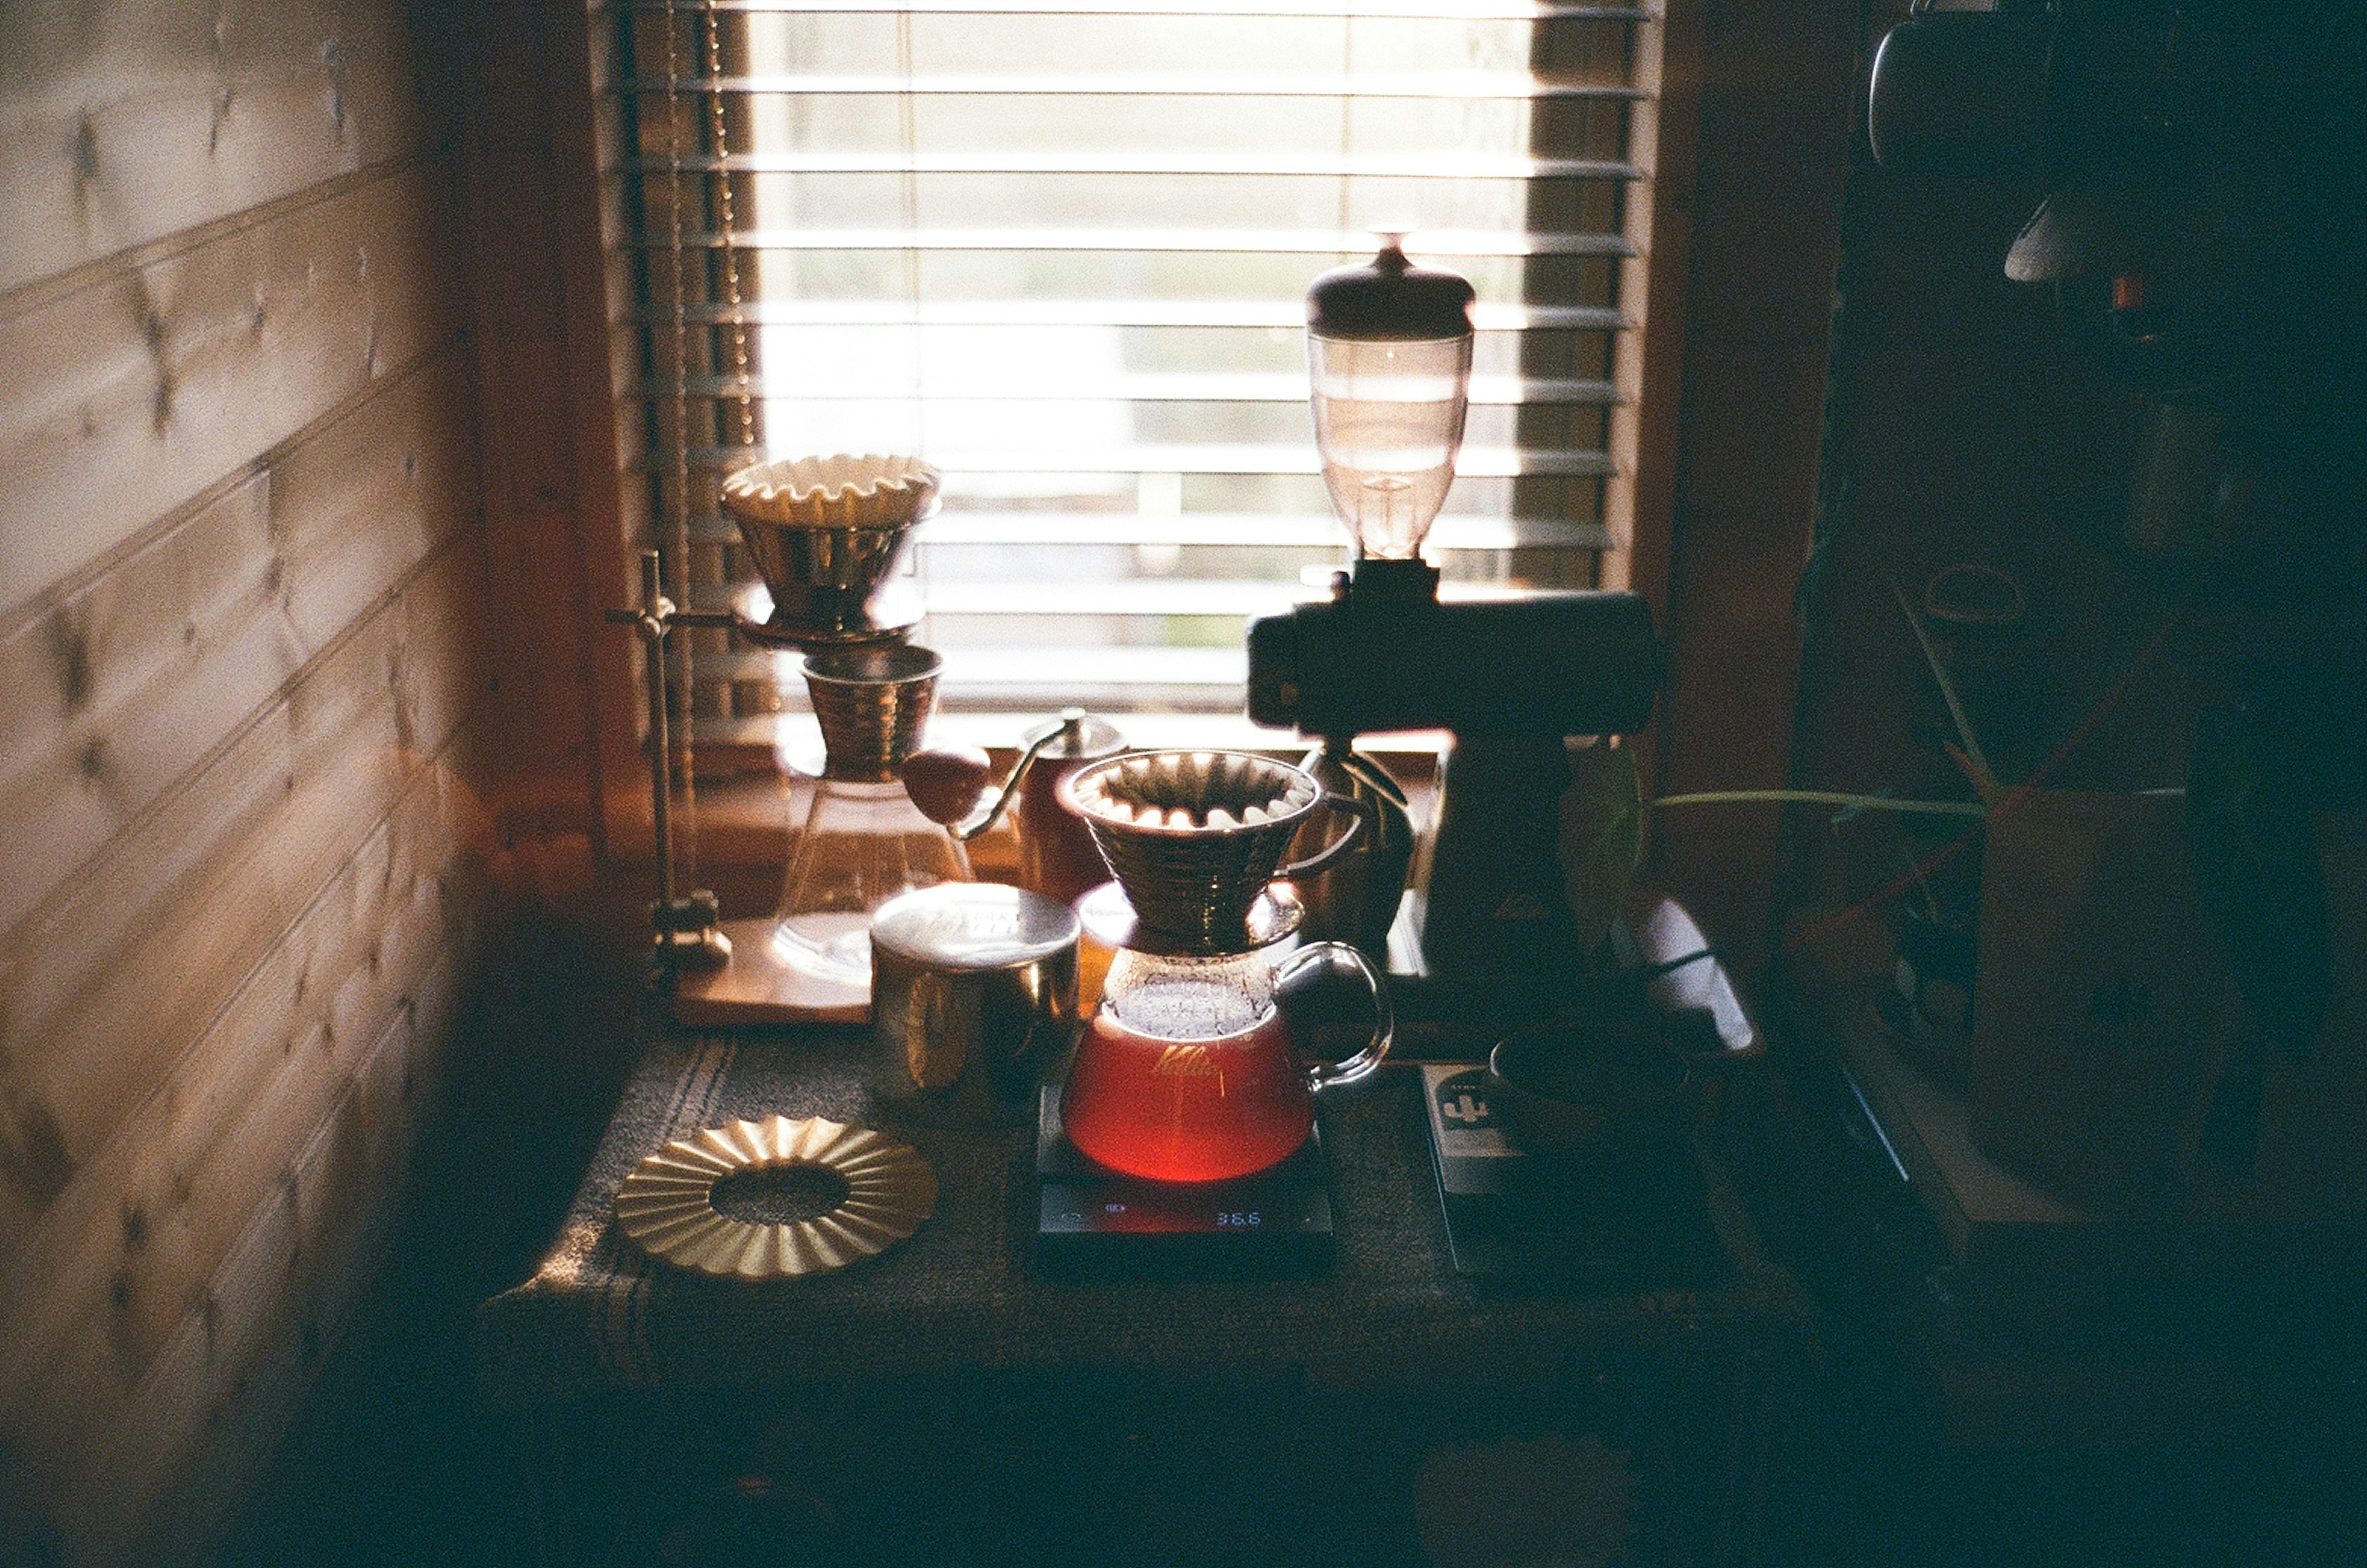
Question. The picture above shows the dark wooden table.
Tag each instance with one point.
(948, 1402)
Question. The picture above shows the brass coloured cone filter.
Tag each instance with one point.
(872, 703)
(826, 532)
(1193, 837)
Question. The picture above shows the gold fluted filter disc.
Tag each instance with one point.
(667, 1206)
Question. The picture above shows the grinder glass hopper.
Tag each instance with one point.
(1389, 348)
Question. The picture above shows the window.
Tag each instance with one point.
(1060, 250)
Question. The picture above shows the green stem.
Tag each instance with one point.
(1822, 798)
(1983, 779)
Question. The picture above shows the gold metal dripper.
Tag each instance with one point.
(1194, 837)
(872, 703)
(826, 534)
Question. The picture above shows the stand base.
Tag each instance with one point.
(681, 951)
(757, 986)
(1091, 1219)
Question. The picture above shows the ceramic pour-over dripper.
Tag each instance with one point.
(825, 534)
(1194, 837)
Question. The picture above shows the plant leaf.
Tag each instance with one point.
(2254, 850)
(1602, 837)
(1989, 789)
(1976, 765)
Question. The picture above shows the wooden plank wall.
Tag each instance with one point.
(245, 731)
(1761, 243)
(552, 279)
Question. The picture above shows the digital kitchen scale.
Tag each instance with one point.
(1091, 1219)
(1570, 1223)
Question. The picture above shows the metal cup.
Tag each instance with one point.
(973, 997)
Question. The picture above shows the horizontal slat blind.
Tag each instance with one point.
(1417, 10)
(1457, 85)
(1060, 249)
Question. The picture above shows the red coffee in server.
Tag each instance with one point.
(1153, 1097)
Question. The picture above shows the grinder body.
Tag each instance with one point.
(1510, 676)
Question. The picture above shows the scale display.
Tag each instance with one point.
(1089, 1220)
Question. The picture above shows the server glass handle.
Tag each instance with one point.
(1333, 955)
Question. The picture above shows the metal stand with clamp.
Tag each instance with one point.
(686, 932)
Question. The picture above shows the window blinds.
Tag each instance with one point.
(1060, 250)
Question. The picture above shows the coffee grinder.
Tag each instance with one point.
(1511, 673)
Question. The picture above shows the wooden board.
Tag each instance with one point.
(103, 991)
(755, 987)
(119, 688)
(248, 1092)
(203, 1422)
(543, 341)
(130, 1256)
(165, 379)
(241, 604)
(130, 121)
(1760, 238)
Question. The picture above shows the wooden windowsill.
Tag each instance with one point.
(743, 822)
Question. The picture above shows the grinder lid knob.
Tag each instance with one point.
(1390, 297)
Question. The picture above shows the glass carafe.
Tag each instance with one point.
(864, 841)
(1188, 1070)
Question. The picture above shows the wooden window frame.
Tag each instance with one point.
(1712, 510)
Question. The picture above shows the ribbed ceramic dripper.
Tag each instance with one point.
(1193, 837)
(872, 703)
(825, 532)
